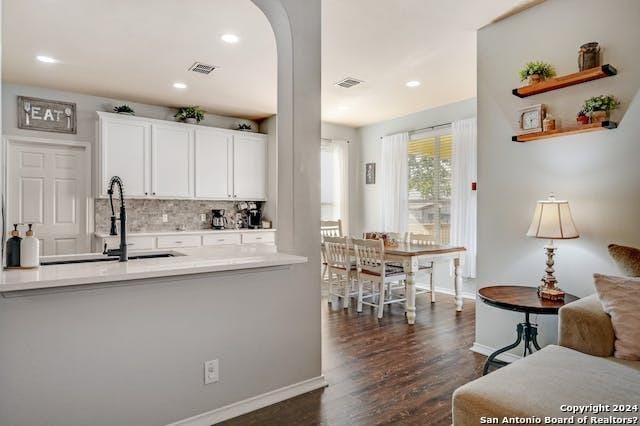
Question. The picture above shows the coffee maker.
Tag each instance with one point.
(255, 218)
(218, 220)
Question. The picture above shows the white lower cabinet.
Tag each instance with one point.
(187, 240)
(177, 241)
(221, 239)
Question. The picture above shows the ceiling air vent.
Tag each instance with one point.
(201, 68)
(349, 82)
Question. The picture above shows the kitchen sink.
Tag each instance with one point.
(91, 258)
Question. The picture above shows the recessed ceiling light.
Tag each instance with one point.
(413, 83)
(230, 38)
(47, 59)
(179, 85)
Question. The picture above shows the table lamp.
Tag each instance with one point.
(552, 220)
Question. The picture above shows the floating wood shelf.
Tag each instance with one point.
(565, 81)
(593, 127)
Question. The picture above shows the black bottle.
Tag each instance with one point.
(13, 248)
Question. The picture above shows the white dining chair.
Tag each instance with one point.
(328, 228)
(342, 270)
(371, 268)
(424, 240)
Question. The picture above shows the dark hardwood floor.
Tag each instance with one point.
(385, 371)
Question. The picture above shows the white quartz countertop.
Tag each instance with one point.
(194, 261)
(196, 232)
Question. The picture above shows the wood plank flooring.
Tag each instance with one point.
(384, 371)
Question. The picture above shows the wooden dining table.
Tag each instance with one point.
(411, 255)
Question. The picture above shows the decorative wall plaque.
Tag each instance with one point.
(370, 173)
(46, 116)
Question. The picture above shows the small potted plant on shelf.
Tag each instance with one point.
(191, 114)
(582, 117)
(124, 109)
(600, 107)
(536, 71)
(244, 127)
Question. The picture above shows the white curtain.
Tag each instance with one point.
(463, 198)
(335, 182)
(394, 193)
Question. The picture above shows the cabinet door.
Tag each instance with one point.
(125, 153)
(172, 161)
(214, 162)
(249, 167)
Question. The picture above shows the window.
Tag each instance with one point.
(334, 181)
(429, 185)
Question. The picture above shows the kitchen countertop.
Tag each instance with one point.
(194, 261)
(191, 232)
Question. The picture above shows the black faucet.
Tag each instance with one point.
(122, 251)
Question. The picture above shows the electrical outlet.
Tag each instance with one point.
(165, 217)
(203, 217)
(211, 372)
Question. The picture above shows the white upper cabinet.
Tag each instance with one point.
(171, 161)
(163, 159)
(249, 167)
(214, 172)
(125, 152)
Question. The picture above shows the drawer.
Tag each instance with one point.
(133, 243)
(220, 239)
(258, 237)
(174, 241)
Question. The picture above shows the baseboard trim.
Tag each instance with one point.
(451, 292)
(254, 403)
(488, 350)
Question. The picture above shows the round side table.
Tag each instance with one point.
(520, 299)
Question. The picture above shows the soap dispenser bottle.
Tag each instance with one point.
(30, 250)
(13, 248)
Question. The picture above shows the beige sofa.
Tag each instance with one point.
(579, 372)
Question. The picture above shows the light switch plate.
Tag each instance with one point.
(165, 218)
(211, 371)
(203, 217)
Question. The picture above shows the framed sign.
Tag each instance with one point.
(370, 173)
(46, 116)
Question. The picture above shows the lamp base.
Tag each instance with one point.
(550, 293)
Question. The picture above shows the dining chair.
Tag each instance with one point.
(328, 228)
(342, 270)
(371, 267)
(424, 240)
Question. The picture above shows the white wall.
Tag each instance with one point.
(598, 173)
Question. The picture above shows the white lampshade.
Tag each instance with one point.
(552, 219)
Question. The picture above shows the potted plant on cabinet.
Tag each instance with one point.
(191, 114)
(600, 107)
(124, 109)
(536, 71)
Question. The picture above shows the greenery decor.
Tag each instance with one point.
(244, 127)
(539, 68)
(124, 109)
(600, 103)
(194, 112)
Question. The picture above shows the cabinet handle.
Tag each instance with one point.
(258, 238)
(146, 193)
(154, 193)
(234, 196)
(178, 242)
(221, 239)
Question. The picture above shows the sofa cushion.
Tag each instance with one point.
(627, 259)
(540, 384)
(620, 297)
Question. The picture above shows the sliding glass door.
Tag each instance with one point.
(429, 183)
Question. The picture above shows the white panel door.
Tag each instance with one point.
(48, 186)
(214, 161)
(125, 153)
(249, 167)
(172, 161)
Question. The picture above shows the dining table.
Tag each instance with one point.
(411, 256)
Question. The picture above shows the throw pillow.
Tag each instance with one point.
(627, 259)
(620, 297)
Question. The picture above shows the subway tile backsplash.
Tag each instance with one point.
(146, 215)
